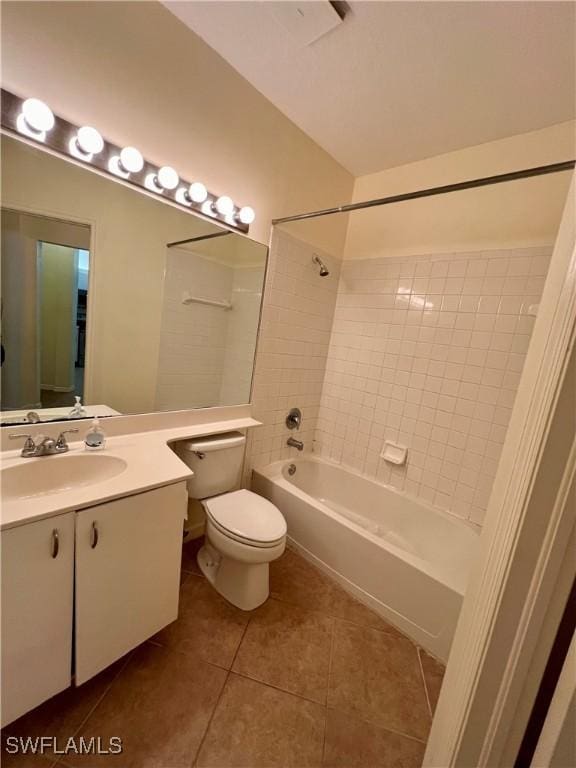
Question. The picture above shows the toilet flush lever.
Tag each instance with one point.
(200, 455)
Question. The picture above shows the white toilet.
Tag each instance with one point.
(244, 532)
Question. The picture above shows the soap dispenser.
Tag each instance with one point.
(78, 411)
(95, 438)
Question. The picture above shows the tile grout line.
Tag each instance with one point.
(246, 676)
(211, 718)
(328, 689)
(418, 651)
(394, 632)
(96, 705)
(334, 583)
(105, 693)
(191, 573)
(375, 724)
(53, 760)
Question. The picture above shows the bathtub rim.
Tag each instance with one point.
(273, 473)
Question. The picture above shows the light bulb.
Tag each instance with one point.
(197, 192)
(131, 160)
(167, 178)
(225, 205)
(38, 116)
(183, 197)
(208, 208)
(246, 215)
(89, 140)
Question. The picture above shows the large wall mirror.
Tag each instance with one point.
(115, 300)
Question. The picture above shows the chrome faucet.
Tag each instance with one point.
(47, 446)
(293, 443)
(294, 418)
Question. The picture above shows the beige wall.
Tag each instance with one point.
(513, 215)
(58, 287)
(23, 332)
(141, 77)
(19, 286)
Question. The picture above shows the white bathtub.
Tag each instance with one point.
(406, 560)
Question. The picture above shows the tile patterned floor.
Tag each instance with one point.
(312, 678)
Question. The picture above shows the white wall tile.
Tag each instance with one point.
(447, 361)
(206, 353)
(193, 336)
(293, 348)
(425, 350)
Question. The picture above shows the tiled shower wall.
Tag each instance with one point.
(206, 353)
(193, 336)
(292, 349)
(240, 342)
(426, 351)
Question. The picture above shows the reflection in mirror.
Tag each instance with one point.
(44, 274)
(117, 299)
(212, 296)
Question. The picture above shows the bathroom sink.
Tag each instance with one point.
(54, 474)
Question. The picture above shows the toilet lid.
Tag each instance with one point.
(248, 516)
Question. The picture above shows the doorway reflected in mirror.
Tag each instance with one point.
(45, 266)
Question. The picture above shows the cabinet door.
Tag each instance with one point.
(127, 574)
(37, 605)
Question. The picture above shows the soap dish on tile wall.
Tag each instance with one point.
(394, 453)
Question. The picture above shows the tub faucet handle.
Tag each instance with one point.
(294, 418)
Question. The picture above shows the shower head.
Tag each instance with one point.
(324, 272)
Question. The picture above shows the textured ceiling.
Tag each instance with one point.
(400, 81)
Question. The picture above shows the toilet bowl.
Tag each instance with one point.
(244, 531)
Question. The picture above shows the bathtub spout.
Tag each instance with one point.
(295, 443)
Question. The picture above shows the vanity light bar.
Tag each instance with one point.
(33, 119)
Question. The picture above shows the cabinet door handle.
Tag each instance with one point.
(55, 543)
(94, 535)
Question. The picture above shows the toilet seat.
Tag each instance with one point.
(247, 518)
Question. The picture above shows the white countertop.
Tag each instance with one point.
(150, 461)
(47, 415)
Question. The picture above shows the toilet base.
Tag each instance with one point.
(245, 585)
(208, 561)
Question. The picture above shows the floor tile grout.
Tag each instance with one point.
(327, 707)
(328, 690)
(228, 673)
(396, 633)
(343, 716)
(192, 573)
(393, 632)
(276, 687)
(377, 724)
(171, 649)
(333, 583)
(104, 693)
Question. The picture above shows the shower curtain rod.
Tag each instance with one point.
(527, 173)
(197, 239)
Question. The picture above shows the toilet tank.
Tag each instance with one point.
(216, 461)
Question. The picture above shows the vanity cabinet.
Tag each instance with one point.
(81, 589)
(127, 574)
(37, 612)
